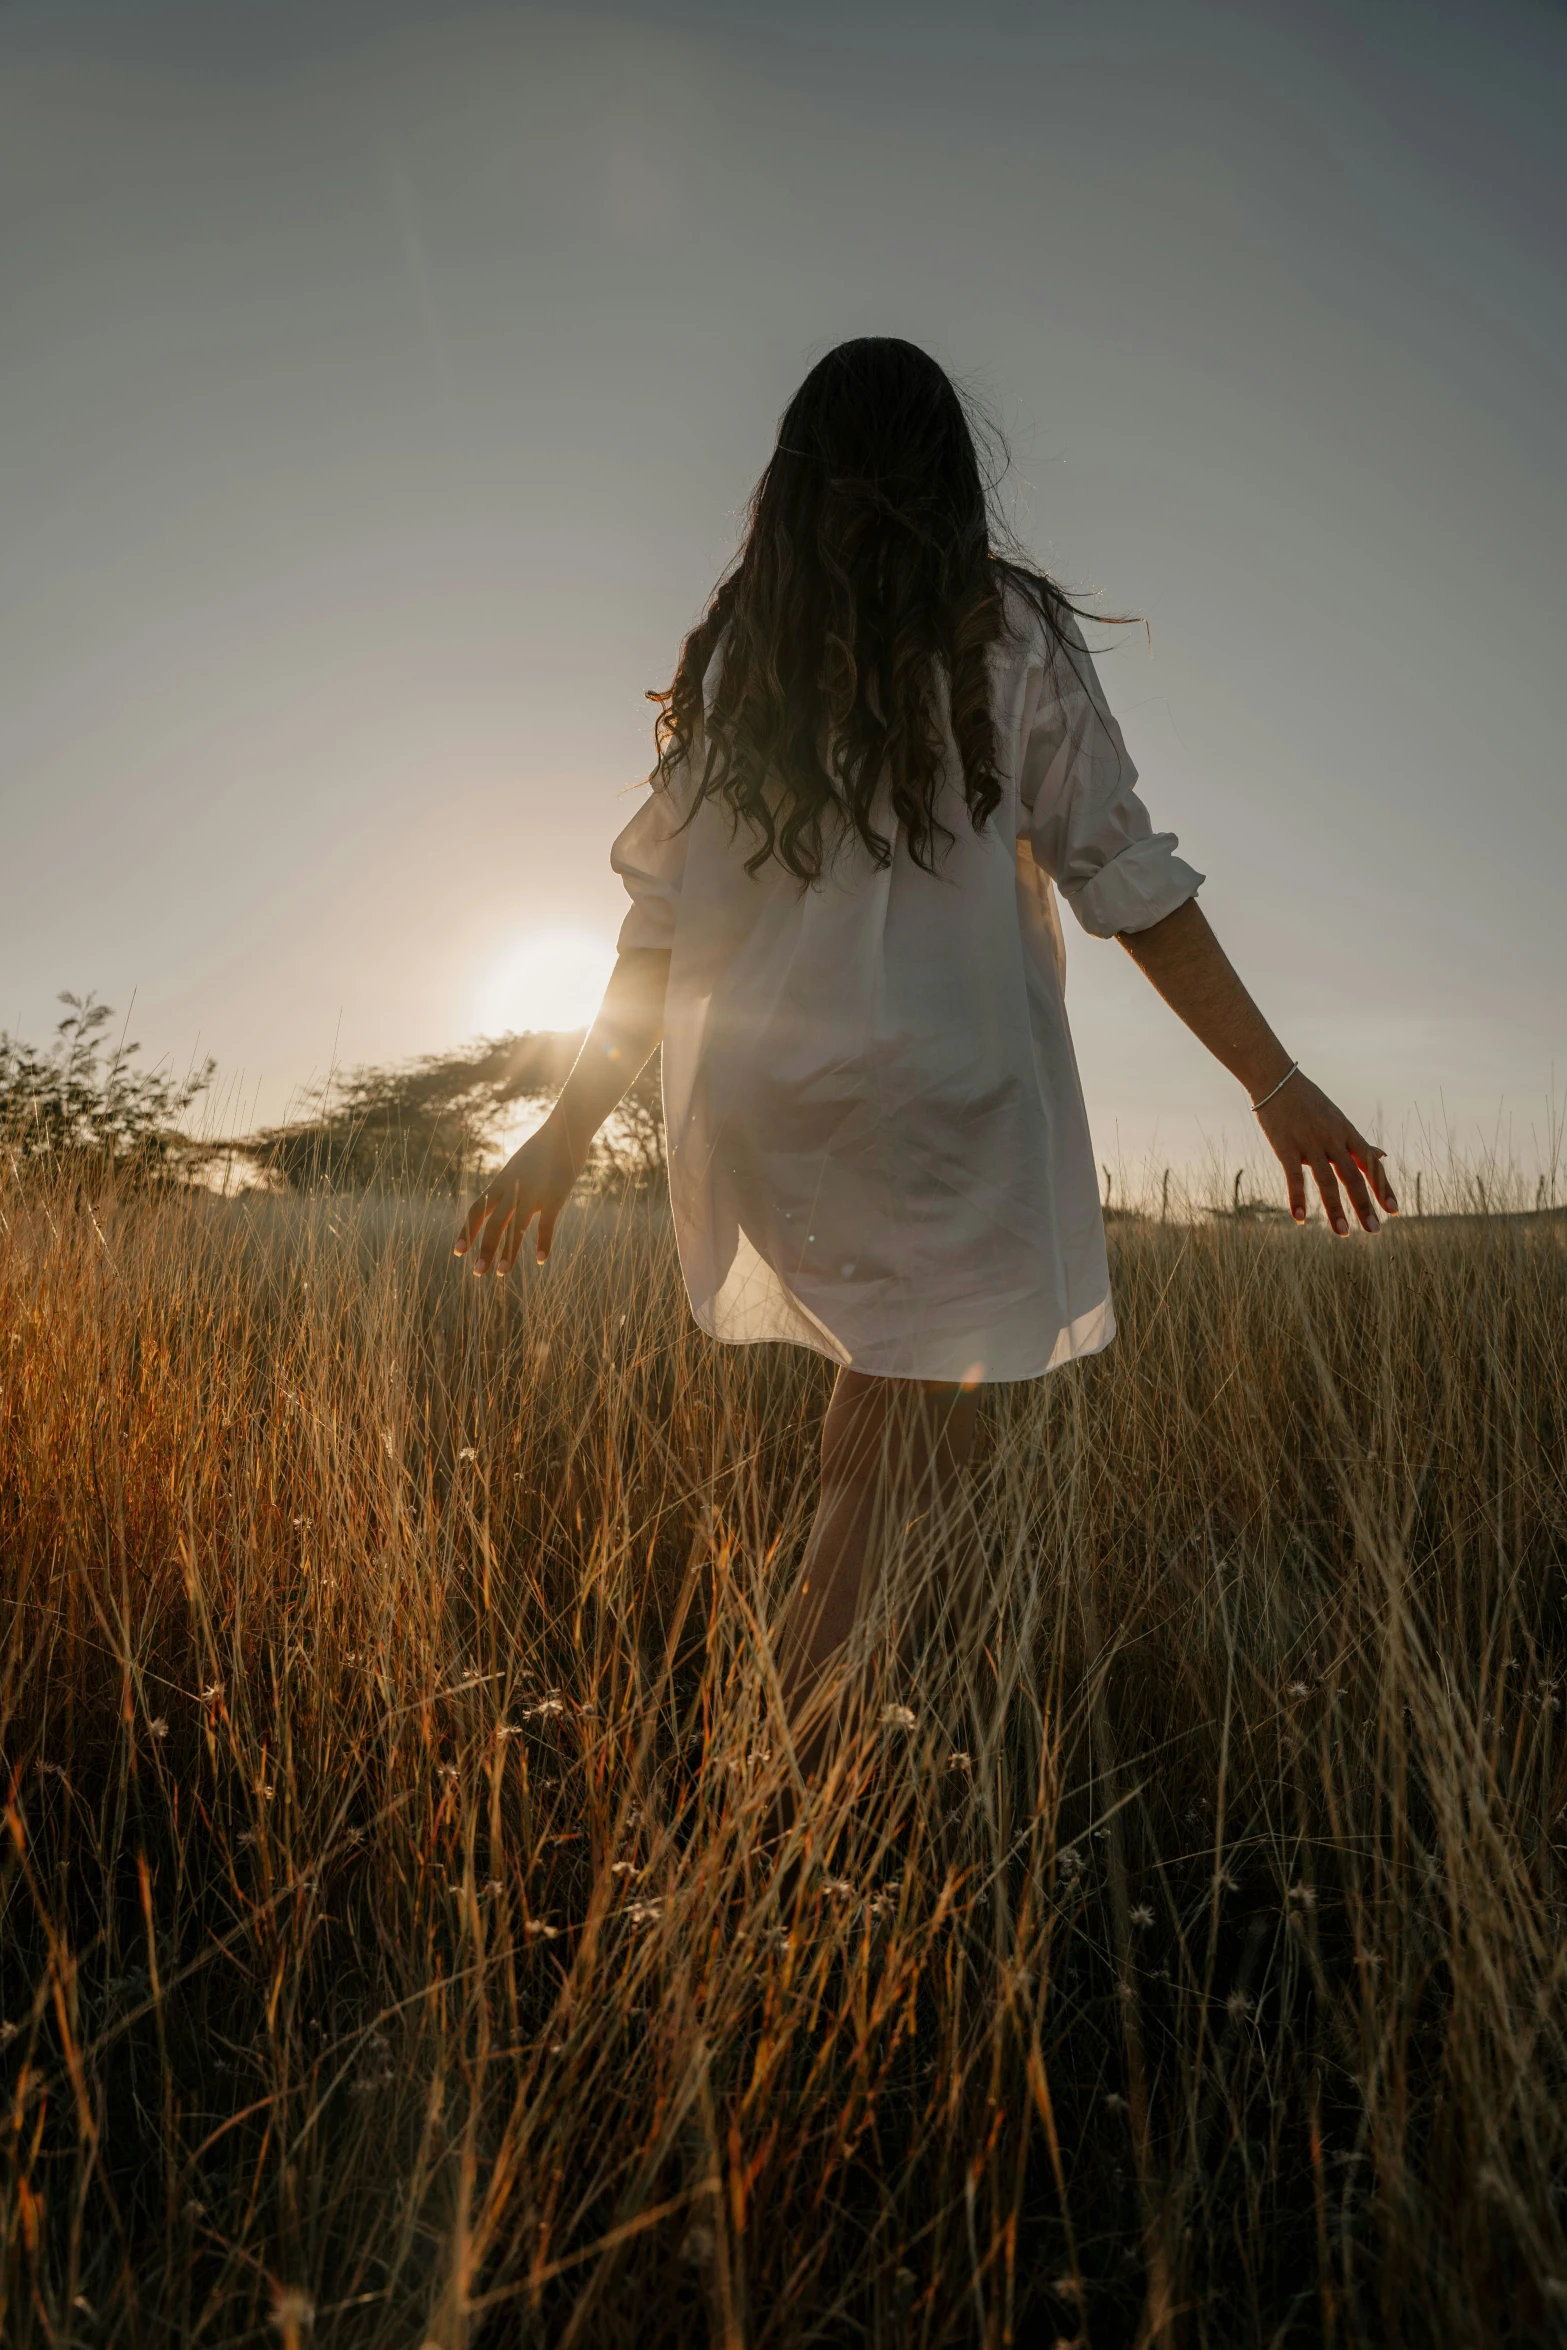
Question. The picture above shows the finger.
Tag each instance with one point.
(546, 1234)
(1295, 1185)
(1371, 1159)
(1355, 1184)
(1294, 1180)
(1322, 1169)
(513, 1246)
(494, 1233)
(472, 1223)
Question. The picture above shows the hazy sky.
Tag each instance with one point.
(380, 387)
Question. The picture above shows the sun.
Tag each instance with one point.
(545, 979)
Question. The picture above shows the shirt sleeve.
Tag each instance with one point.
(650, 857)
(1088, 828)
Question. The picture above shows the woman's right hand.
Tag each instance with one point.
(535, 1181)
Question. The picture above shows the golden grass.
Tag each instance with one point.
(389, 1952)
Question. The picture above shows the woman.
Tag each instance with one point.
(884, 750)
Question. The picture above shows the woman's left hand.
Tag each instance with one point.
(1305, 1129)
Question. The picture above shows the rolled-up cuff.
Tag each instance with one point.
(1135, 890)
(649, 922)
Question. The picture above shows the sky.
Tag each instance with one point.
(381, 387)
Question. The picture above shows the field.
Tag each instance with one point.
(391, 1951)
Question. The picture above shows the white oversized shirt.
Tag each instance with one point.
(877, 1140)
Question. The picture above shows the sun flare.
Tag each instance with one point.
(546, 979)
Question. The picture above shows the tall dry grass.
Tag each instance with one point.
(391, 1952)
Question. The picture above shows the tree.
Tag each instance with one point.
(82, 1109)
(434, 1124)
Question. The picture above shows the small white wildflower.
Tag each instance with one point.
(1070, 1861)
(303, 1524)
(838, 1887)
(493, 1887)
(508, 1730)
(624, 1868)
(958, 1761)
(159, 1728)
(1142, 1915)
(1299, 1689)
(1239, 2005)
(538, 1931)
(898, 1717)
(1302, 1897)
(467, 1453)
(292, 2310)
(644, 1913)
(213, 1693)
(1114, 2102)
(546, 1706)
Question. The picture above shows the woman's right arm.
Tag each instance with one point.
(536, 1180)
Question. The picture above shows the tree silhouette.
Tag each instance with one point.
(435, 1124)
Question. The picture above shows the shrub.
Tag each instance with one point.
(82, 1110)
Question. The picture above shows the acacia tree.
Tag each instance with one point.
(436, 1123)
(80, 1107)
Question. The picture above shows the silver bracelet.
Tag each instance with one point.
(1273, 1089)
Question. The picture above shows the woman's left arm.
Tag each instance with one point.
(1196, 978)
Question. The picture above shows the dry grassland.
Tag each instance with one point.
(388, 1950)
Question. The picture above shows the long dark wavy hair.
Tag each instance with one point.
(855, 619)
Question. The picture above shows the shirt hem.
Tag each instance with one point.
(1089, 1334)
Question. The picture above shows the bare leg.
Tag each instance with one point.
(893, 1453)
